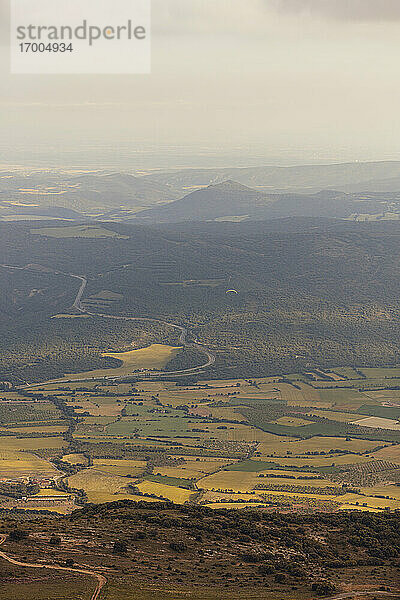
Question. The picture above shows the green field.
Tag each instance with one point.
(155, 439)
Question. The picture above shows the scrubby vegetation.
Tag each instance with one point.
(182, 550)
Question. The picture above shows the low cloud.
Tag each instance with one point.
(347, 10)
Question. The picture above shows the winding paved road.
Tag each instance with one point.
(77, 305)
(182, 337)
(101, 580)
(183, 330)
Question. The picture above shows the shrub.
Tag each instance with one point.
(17, 535)
(266, 569)
(55, 540)
(120, 547)
(323, 588)
(178, 546)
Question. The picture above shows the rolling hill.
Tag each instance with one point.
(337, 190)
(219, 200)
(302, 178)
(310, 292)
(230, 200)
(54, 194)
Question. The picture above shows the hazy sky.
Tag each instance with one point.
(309, 79)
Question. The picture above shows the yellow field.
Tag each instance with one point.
(224, 383)
(37, 429)
(107, 479)
(180, 397)
(111, 409)
(378, 422)
(297, 474)
(339, 399)
(393, 491)
(342, 417)
(317, 461)
(269, 387)
(65, 509)
(94, 482)
(317, 483)
(238, 481)
(217, 390)
(75, 459)
(153, 387)
(175, 494)
(20, 464)
(317, 443)
(101, 420)
(193, 468)
(300, 495)
(48, 387)
(392, 395)
(391, 453)
(243, 481)
(120, 467)
(155, 356)
(334, 376)
(306, 394)
(12, 443)
(117, 462)
(369, 501)
(220, 391)
(351, 404)
(219, 496)
(237, 505)
(11, 396)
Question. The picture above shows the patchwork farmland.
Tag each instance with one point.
(278, 443)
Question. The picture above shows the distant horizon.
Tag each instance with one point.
(172, 158)
(293, 81)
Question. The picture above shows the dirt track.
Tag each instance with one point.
(101, 580)
(357, 594)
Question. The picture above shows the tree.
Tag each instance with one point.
(55, 540)
(17, 535)
(323, 588)
(178, 546)
(120, 547)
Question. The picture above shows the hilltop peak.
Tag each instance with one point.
(230, 185)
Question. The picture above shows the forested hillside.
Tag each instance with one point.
(266, 297)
